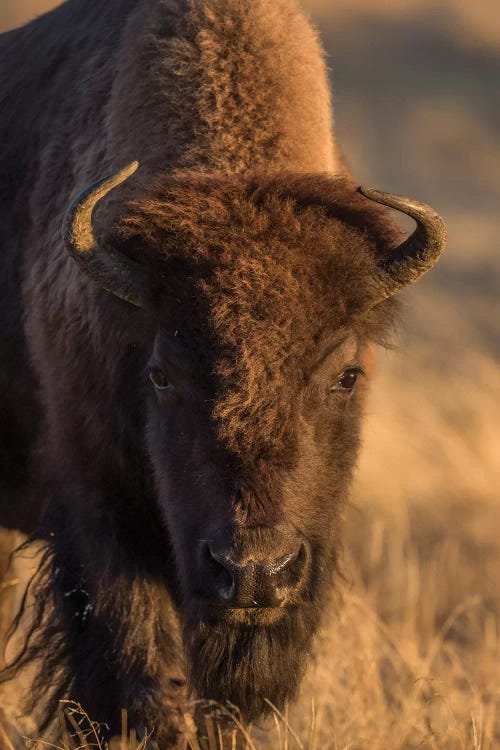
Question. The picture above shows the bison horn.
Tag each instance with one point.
(111, 269)
(417, 254)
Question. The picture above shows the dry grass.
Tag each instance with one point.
(413, 658)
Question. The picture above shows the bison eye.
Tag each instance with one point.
(158, 378)
(347, 380)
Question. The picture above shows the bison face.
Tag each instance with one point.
(254, 523)
(266, 295)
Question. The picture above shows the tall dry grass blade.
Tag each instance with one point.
(78, 730)
(220, 737)
(278, 729)
(212, 740)
(124, 734)
(312, 732)
(476, 736)
(66, 739)
(191, 732)
(147, 743)
(286, 723)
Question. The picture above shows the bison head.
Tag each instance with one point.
(264, 296)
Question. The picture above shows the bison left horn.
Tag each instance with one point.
(111, 269)
(416, 255)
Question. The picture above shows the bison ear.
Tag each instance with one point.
(417, 254)
(112, 270)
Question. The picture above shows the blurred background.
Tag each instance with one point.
(413, 658)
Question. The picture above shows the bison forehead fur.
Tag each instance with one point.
(259, 272)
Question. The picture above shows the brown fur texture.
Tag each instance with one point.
(261, 257)
(260, 252)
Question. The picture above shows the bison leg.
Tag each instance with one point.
(115, 641)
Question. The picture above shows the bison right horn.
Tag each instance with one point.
(416, 255)
(111, 269)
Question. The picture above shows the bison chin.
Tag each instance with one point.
(245, 664)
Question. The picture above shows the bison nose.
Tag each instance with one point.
(253, 583)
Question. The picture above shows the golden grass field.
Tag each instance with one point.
(411, 659)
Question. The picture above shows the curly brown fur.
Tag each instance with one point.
(261, 249)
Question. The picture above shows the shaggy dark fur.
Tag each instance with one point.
(260, 272)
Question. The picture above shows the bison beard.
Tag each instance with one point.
(237, 664)
(246, 664)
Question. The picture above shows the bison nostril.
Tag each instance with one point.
(287, 574)
(217, 566)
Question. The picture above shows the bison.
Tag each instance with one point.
(186, 347)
